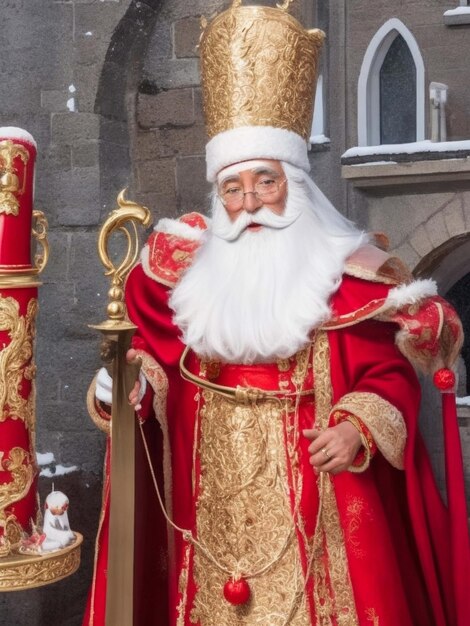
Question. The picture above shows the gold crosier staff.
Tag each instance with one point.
(118, 331)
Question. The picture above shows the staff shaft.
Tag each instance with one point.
(120, 577)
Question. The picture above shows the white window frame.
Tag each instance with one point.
(318, 121)
(368, 101)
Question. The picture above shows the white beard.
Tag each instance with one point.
(257, 296)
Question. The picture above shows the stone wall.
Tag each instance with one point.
(67, 68)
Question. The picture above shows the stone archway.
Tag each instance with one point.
(169, 137)
(115, 100)
(449, 265)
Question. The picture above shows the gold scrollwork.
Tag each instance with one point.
(35, 571)
(21, 471)
(9, 181)
(16, 360)
(128, 213)
(40, 234)
(244, 516)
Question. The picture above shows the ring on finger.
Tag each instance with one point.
(326, 453)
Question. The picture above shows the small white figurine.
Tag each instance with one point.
(56, 522)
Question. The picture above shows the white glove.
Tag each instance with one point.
(104, 387)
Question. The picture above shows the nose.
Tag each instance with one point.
(251, 202)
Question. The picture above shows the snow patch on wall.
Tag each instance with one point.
(45, 458)
(49, 467)
(59, 470)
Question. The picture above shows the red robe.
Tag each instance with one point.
(380, 539)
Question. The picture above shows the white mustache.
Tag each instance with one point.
(263, 217)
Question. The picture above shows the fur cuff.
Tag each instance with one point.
(410, 294)
(178, 228)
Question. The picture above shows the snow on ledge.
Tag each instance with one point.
(465, 401)
(319, 139)
(458, 11)
(374, 163)
(408, 148)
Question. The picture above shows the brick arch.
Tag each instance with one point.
(429, 243)
(447, 263)
(120, 75)
(440, 249)
(169, 134)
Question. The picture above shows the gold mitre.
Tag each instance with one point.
(259, 69)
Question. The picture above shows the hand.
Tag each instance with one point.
(104, 384)
(137, 392)
(334, 449)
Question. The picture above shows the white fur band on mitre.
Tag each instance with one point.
(255, 142)
(410, 293)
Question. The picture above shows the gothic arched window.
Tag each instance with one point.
(391, 88)
(398, 94)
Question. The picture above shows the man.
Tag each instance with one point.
(288, 470)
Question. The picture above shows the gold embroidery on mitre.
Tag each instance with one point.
(259, 68)
(244, 516)
(16, 361)
(10, 185)
(385, 422)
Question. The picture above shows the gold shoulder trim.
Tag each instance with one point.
(385, 422)
(371, 263)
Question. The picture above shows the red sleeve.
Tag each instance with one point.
(371, 362)
(147, 306)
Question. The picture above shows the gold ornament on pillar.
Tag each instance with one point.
(10, 184)
(28, 556)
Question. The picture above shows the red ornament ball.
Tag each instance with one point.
(237, 591)
(444, 379)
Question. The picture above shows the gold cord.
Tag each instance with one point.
(188, 536)
(244, 395)
(253, 398)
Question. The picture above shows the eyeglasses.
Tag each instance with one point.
(234, 194)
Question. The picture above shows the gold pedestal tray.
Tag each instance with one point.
(19, 572)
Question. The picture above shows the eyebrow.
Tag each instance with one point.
(232, 178)
(266, 170)
(256, 170)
